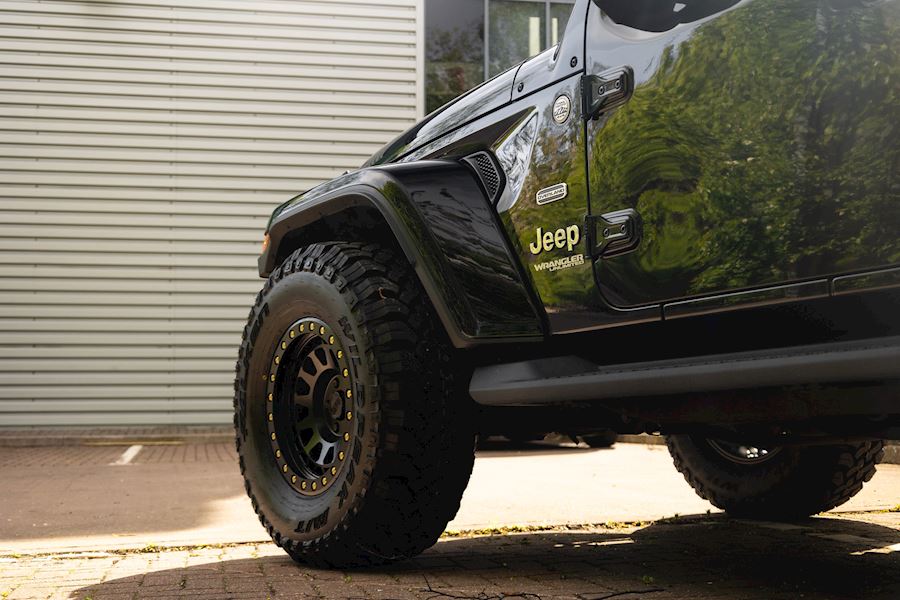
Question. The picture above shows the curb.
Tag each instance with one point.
(891, 454)
(32, 437)
(643, 438)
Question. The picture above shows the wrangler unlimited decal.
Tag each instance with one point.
(560, 263)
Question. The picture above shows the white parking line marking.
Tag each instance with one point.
(127, 456)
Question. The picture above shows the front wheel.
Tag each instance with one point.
(354, 441)
(781, 483)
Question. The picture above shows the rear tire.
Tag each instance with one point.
(606, 439)
(355, 443)
(788, 483)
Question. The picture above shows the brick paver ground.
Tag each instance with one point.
(852, 556)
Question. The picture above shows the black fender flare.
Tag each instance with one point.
(440, 218)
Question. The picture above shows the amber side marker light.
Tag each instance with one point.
(265, 243)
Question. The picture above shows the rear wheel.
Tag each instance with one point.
(604, 439)
(354, 442)
(789, 482)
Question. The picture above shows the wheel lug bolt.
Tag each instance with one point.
(293, 479)
(346, 438)
(340, 456)
(334, 470)
(349, 416)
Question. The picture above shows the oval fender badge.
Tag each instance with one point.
(552, 193)
(561, 109)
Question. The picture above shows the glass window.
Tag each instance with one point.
(456, 59)
(559, 17)
(517, 31)
(454, 49)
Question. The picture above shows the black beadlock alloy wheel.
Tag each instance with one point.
(312, 406)
(354, 439)
(743, 453)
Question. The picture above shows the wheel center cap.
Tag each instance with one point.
(334, 403)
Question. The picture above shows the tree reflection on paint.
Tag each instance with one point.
(763, 149)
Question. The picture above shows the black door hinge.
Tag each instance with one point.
(613, 233)
(606, 91)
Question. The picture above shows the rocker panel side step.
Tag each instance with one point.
(570, 378)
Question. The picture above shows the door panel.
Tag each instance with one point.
(760, 145)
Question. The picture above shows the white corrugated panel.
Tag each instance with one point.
(142, 146)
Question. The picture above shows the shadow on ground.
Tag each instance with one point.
(553, 446)
(697, 557)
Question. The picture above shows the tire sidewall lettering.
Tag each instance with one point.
(297, 517)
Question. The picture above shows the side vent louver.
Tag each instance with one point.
(487, 170)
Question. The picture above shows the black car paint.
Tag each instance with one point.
(447, 232)
(760, 146)
(609, 292)
(488, 96)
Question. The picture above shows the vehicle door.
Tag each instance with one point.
(740, 150)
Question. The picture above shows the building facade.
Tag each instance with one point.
(144, 144)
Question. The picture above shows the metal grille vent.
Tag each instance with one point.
(487, 170)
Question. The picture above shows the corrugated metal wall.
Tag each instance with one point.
(142, 146)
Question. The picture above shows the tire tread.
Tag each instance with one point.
(823, 478)
(426, 440)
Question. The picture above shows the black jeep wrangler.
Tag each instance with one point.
(681, 219)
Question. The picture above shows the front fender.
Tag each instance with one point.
(442, 221)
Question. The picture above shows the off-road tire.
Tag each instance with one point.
(404, 481)
(794, 483)
(605, 439)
